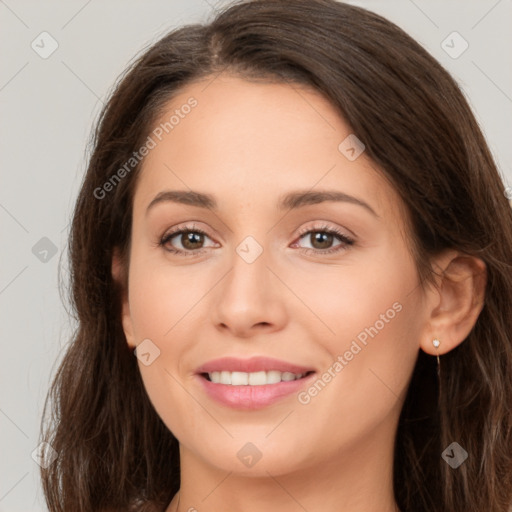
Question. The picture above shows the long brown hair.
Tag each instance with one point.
(114, 452)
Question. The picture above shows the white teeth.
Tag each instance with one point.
(225, 377)
(257, 378)
(273, 377)
(252, 379)
(239, 379)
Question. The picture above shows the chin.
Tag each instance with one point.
(256, 458)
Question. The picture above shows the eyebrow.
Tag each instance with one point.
(289, 201)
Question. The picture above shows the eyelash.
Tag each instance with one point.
(346, 241)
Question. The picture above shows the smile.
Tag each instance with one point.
(252, 379)
(251, 383)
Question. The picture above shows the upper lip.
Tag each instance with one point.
(254, 364)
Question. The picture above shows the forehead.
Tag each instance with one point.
(257, 139)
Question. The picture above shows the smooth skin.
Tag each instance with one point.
(248, 144)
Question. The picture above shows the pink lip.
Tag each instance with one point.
(251, 397)
(254, 364)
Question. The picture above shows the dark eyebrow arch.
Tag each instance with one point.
(289, 201)
(190, 198)
(300, 198)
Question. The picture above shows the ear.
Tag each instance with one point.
(120, 276)
(455, 302)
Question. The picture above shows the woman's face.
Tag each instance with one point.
(283, 332)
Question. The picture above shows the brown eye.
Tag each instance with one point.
(321, 239)
(191, 240)
(186, 241)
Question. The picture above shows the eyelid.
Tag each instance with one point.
(183, 228)
(346, 240)
(324, 227)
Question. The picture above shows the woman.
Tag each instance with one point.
(291, 267)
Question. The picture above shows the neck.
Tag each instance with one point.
(358, 480)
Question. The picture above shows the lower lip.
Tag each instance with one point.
(252, 397)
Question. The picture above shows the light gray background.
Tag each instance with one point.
(48, 107)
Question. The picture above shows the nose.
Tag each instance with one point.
(250, 299)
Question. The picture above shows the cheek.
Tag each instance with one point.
(372, 314)
(366, 292)
(160, 315)
(164, 309)
(161, 298)
(370, 356)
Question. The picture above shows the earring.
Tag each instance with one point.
(436, 344)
